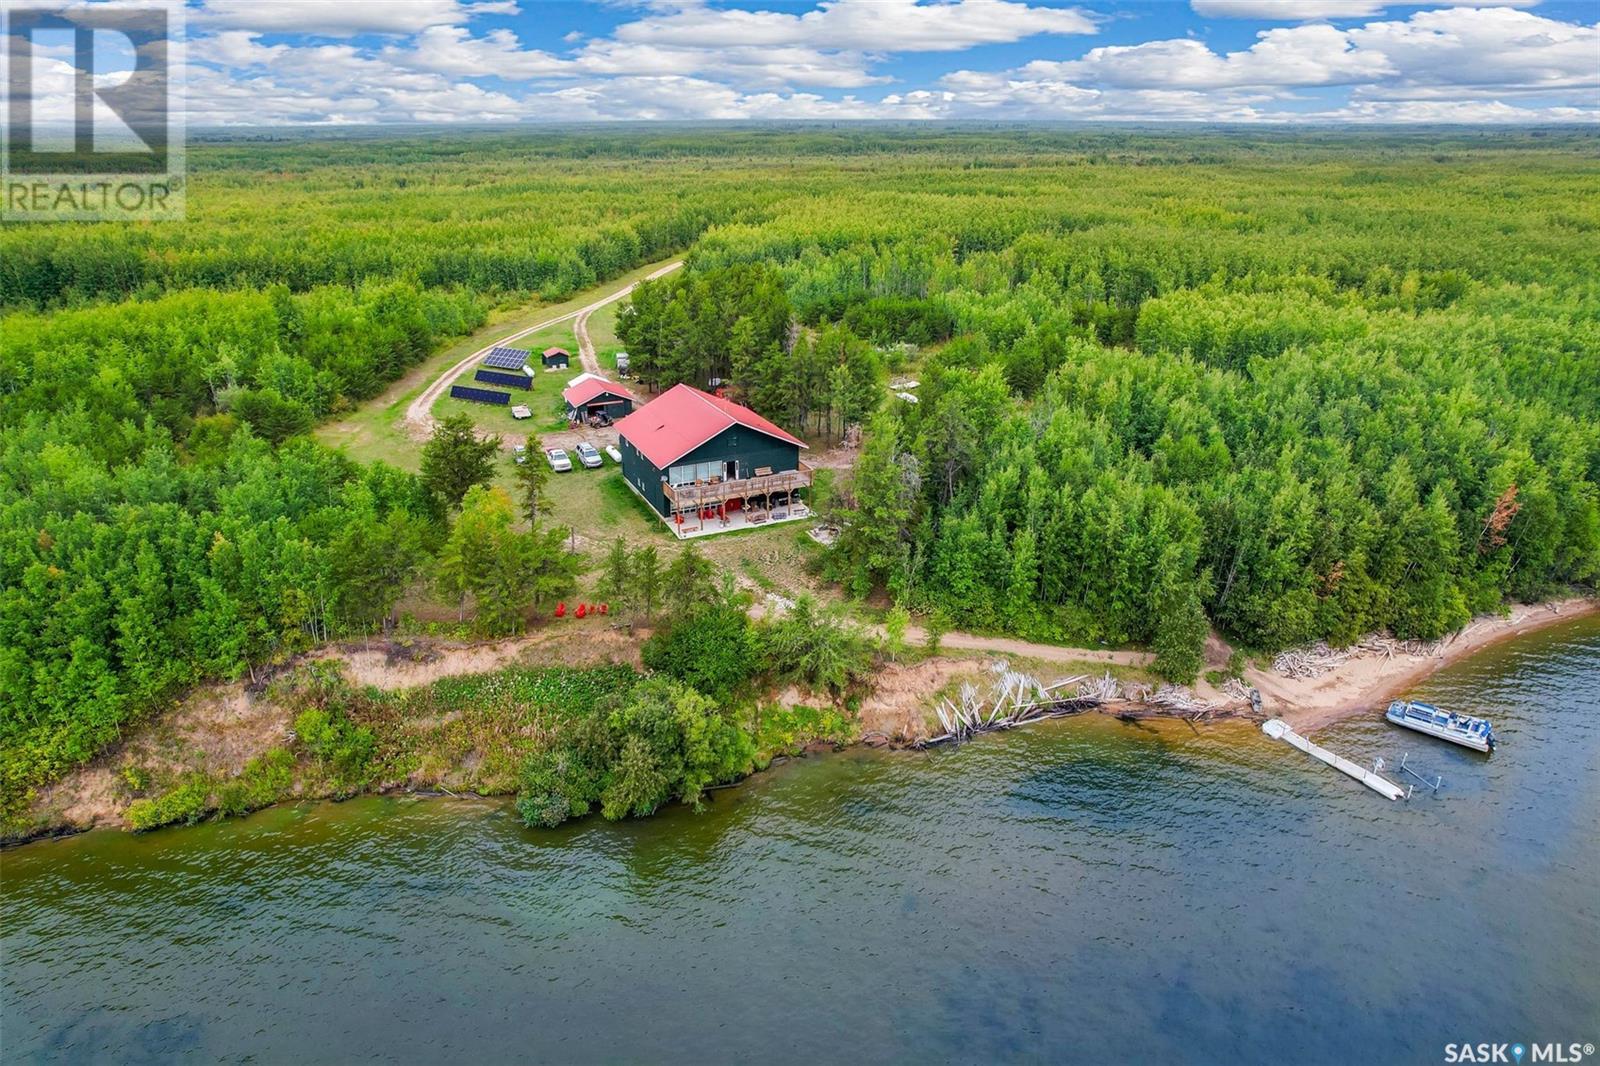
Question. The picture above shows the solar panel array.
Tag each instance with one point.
(467, 392)
(496, 377)
(506, 358)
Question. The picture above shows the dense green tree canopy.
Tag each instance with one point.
(1289, 385)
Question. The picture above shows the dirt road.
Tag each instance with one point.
(955, 640)
(1047, 652)
(419, 415)
(586, 353)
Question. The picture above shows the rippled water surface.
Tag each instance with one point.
(1084, 891)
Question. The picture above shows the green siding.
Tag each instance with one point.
(747, 447)
(605, 401)
(643, 476)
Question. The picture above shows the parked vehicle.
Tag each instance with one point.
(521, 453)
(588, 456)
(558, 460)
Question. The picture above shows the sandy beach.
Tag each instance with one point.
(1368, 679)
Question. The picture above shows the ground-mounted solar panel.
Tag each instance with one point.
(467, 392)
(502, 358)
(499, 377)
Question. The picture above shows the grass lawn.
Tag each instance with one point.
(374, 431)
(544, 399)
(599, 504)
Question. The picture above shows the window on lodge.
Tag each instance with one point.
(688, 473)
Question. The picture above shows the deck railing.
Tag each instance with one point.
(710, 493)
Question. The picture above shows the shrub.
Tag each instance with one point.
(264, 781)
(135, 777)
(189, 802)
(664, 740)
(787, 730)
(816, 649)
(895, 624)
(565, 780)
(935, 626)
(637, 784)
(341, 747)
(710, 649)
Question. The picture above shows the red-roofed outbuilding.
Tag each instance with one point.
(590, 396)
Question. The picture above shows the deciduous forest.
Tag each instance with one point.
(1288, 386)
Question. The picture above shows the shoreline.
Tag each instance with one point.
(1369, 679)
(1363, 682)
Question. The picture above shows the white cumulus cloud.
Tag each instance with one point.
(1498, 48)
(342, 18)
(1298, 56)
(835, 59)
(1311, 10)
(860, 25)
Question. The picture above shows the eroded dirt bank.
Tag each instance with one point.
(217, 729)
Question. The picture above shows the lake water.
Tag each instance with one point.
(1087, 890)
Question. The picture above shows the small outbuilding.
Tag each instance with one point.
(593, 398)
(556, 359)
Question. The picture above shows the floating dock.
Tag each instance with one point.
(1277, 729)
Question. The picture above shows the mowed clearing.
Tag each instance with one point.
(376, 431)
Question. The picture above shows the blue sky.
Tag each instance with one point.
(372, 61)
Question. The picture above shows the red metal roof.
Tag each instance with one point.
(592, 388)
(683, 418)
(555, 351)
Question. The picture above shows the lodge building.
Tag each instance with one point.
(706, 464)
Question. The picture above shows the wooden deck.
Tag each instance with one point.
(703, 494)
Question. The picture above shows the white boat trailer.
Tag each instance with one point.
(1278, 729)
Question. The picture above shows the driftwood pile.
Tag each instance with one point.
(1388, 647)
(1178, 698)
(1104, 689)
(1236, 689)
(1312, 661)
(1014, 699)
(1317, 659)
